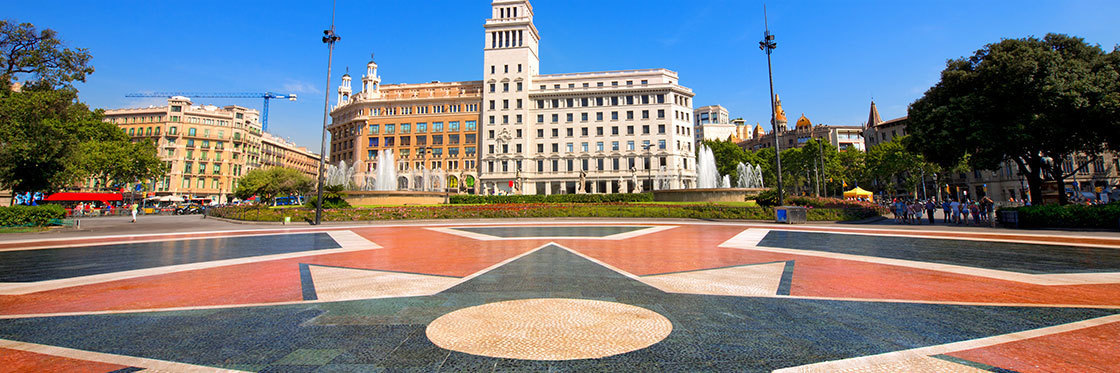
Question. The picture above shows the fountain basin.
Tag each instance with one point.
(706, 194)
(362, 197)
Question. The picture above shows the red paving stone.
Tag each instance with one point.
(24, 361)
(1093, 349)
(684, 248)
(420, 250)
(412, 250)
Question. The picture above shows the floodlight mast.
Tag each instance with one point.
(329, 38)
(768, 45)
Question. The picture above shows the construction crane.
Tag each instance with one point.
(266, 96)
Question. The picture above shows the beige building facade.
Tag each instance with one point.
(713, 122)
(206, 148)
(430, 128)
(278, 152)
(842, 137)
(594, 132)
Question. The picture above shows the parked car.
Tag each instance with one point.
(190, 209)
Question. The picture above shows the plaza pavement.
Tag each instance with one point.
(183, 293)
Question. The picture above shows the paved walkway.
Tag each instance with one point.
(162, 224)
(182, 293)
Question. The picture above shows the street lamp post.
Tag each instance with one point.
(768, 45)
(649, 164)
(329, 38)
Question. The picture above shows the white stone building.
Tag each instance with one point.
(594, 132)
(713, 122)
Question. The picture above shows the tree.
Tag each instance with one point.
(48, 139)
(728, 155)
(273, 182)
(1035, 102)
(40, 54)
(898, 168)
(120, 162)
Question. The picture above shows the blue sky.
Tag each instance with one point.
(832, 56)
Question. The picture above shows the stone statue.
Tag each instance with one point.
(582, 181)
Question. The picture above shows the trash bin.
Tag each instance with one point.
(790, 214)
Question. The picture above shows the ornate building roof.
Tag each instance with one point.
(804, 122)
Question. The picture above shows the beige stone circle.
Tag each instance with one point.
(549, 329)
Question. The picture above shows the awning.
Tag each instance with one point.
(82, 197)
(858, 193)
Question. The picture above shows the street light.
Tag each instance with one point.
(768, 45)
(329, 38)
(649, 163)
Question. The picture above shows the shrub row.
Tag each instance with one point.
(1068, 216)
(769, 198)
(472, 199)
(700, 211)
(25, 216)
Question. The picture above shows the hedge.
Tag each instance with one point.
(769, 198)
(699, 211)
(473, 199)
(1068, 216)
(27, 216)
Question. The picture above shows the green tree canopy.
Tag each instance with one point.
(273, 182)
(41, 56)
(1036, 102)
(896, 167)
(48, 139)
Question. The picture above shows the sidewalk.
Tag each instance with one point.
(156, 224)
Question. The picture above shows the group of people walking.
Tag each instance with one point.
(963, 212)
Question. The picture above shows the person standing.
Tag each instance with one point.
(134, 207)
(948, 209)
(930, 208)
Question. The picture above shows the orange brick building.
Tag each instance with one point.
(429, 126)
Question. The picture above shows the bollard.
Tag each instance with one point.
(77, 224)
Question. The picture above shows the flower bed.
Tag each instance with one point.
(532, 210)
(552, 198)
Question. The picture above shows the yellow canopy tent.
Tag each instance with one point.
(859, 193)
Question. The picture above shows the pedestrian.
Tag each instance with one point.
(974, 209)
(134, 207)
(956, 207)
(948, 208)
(930, 208)
(987, 205)
(916, 210)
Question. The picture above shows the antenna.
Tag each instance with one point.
(765, 20)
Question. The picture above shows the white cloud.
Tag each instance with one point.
(296, 86)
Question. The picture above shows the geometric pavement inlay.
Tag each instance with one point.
(67, 262)
(708, 331)
(1008, 256)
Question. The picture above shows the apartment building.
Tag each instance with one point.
(429, 127)
(592, 132)
(206, 148)
(278, 152)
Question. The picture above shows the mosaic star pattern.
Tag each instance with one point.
(626, 296)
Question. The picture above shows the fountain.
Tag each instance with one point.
(749, 176)
(383, 188)
(712, 187)
(386, 171)
(707, 175)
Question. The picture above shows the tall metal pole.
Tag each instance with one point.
(823, 178)
(330, 38)
(768, 44)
